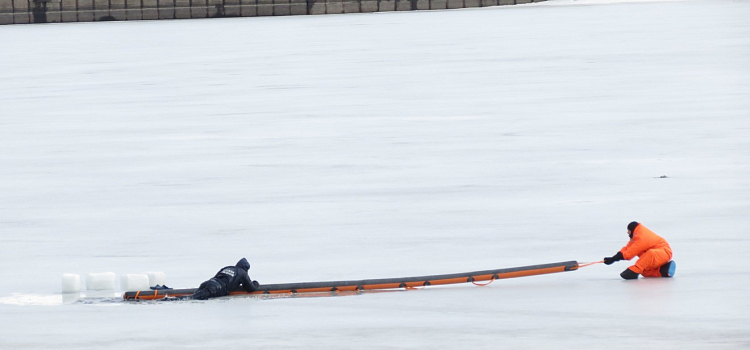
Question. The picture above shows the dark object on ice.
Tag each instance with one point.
(336, 287)
(226, 280)
(628, 274)
(613, 259)
(668, 269)
(662, 177)
(159, 287)
(652, 250)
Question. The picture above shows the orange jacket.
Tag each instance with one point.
(643, 240)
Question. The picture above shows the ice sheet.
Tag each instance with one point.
(71, 283)
(134, 281)
(100, 281)
(156, 278)
(381, 145)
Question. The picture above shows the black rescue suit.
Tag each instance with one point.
(226, 280)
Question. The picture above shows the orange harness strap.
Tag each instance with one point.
(483, 284)
(414, 287)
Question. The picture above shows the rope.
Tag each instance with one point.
(414, 287)
(484, 284)
(589, 264)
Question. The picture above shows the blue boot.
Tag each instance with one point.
(668, 269)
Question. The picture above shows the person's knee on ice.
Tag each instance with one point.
(653, 251)
(668, 269)
(651, 261)
(201, 294)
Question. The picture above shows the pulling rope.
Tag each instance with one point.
(589, 264)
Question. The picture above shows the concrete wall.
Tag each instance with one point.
(55, 11)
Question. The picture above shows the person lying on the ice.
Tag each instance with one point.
(226, 280)
(653, 253)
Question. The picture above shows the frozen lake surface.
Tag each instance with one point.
(381, 145)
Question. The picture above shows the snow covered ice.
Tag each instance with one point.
(381, 145)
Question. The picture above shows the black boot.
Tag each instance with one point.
(628, 274)
(668, 269)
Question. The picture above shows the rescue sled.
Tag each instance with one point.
(372, 284)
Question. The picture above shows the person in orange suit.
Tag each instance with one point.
(654, 254)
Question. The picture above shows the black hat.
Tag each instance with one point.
(632, 226)
(243, 264)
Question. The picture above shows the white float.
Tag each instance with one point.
(100, 281)
(71, 283)
(134, 281)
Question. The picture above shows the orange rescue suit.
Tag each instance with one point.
(652, 250)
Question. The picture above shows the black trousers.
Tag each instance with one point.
(210, 289)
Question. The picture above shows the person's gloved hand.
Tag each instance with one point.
(256, 284)
(611, 260)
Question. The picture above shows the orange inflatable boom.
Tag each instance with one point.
(374, 284)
